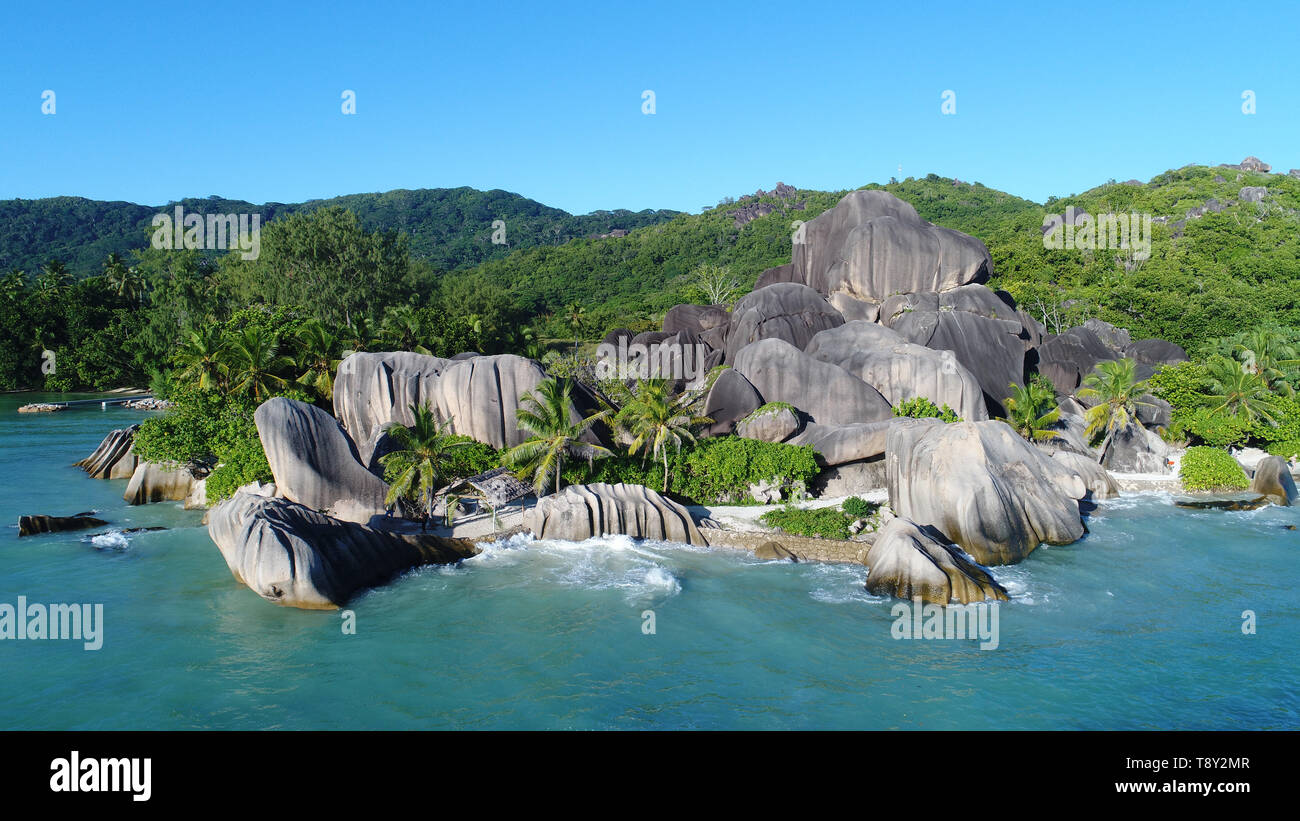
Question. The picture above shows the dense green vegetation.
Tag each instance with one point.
(1205, 468)
(920, 407)
(449, 228)
(821, 522)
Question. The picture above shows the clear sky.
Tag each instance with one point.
(162, 101)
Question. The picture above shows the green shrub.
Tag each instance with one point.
(920, 407)
(720, 469)
(1289, 449)
(472, 459)
(824, 522)
(1181, 385)
(858, 507)
(242, 462)
(58, 384)
(770, 407)
(1211, 427)
(1205, 468)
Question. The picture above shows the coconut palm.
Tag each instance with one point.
(53, 280)
(577, 316)
(1264, 353)
(201, 357)
(418, 467)
(1238, 391)
(12, 284)
(122, 279)
(1115, 385)
(1032, 411)
(253, 364)
(318, 356)
(655, 420)
(546, 412)
(403, 328)
(357, 336)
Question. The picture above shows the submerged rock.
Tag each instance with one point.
(909, 561)
(581, 512)
(774, 551)
(983, 487)
(294, 556)
(40, 523)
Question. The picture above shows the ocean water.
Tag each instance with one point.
(1137, 626)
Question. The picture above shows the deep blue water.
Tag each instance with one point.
(1137, 626)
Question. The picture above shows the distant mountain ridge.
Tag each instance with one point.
(451, 228)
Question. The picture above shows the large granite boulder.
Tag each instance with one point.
(481, 395)
(152, 482)
(580, 512)
(910, 561)
(982, 486)
(1273, 479)
(974, 298)
(773, 423)
(115, 457)
(1067, 358)
(292, 555)
(991, 349)
(373, 390)
(1154, 412)
(872, 245)
(839, 344)
(695, 319)
(786, 311)
(1134, 449)
(905, 371)
(313, 460)
(843, 444)
(730, 400)
(1152, 354)
(827, 393)
(1099, 483)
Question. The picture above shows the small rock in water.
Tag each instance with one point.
(32, 525)
(774, 550)
(1224, 504)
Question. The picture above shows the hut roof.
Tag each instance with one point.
(497, 486)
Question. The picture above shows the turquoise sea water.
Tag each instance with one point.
(1138, 626)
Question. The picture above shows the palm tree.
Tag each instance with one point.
(1032, 411)
(253, 363)
(200, 357)
(1264, 353)
(419, 465)
(318, 355)
(54, 279)
(546, 413)
(577, 316)
(655, 420)
(357, 336)
(123, 280)
(12, 284)
(403, 328)
(1239, 392)
(1115, 384)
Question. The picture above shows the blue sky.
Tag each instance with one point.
(154, 103)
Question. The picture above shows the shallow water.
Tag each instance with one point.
(1137, 626)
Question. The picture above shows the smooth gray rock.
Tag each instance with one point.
(1252, 193)
(781, 273)
(771, 425)
(731, 399)
(973, 298)
(786, 311)
(40, 523)
(152, 482)
(580, 512)
(1273, 479)
(1154, 412)
(1099, 483)
(991, 349)
(1134, 449)
(839, 344)
(825, 392)
(982, 486)
(843, 444)
(905, 371)
(313, 460)
(1114, 338)
(1068, 358)
(294, 556)
(1155, 352)
(872, 245)
(695, 319)
(115, 457)
(481, 396)
(373, 390)
(909, 561)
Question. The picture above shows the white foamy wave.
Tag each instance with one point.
(113, 540)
